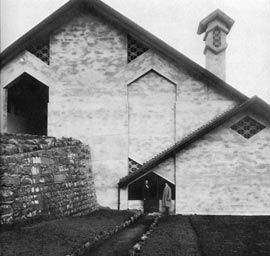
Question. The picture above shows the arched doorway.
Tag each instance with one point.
(157, 184)
(27, 106)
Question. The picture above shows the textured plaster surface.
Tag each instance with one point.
(198, 104)
(224, 173)
(195, 102)
(216, 63)
(166, 170)
(120, 110)
(89, 97)
(151, 101)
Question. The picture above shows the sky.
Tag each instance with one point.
(176, 23)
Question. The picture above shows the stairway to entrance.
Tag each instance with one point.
(122, 242)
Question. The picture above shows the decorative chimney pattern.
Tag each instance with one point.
(217, 37)
(216, 26)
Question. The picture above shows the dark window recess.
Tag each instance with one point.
(41, 49)
(134, 48)
(27, 104)
(13, 107)
(247, 127)
(9, 106)
(133, 165)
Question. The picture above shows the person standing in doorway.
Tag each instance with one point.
(166, 198)
(146, 197)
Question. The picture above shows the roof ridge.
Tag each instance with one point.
(128, 26)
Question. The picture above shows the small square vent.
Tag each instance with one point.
(247, 127)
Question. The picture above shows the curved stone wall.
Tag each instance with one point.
(44, 177)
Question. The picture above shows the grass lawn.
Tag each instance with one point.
(233, 235)
(58, 237)
(172, 236)
(210, 236)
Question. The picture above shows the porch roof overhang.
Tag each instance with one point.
(258, 105)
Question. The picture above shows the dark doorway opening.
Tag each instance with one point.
(157, 184)
(27, 106)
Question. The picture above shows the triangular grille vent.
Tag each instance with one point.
(133, 165)
(41, 49)
(134, 48)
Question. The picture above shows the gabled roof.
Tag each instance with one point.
(73, 7)
(257, 105)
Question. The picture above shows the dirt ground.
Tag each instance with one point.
(121, 243)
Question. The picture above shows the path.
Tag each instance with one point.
(121, 243)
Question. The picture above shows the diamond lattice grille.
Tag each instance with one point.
(135, 48)
(217, 37)
(247, 127)
(41, 50)
(133, 165)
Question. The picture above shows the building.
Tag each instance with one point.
(146, 110)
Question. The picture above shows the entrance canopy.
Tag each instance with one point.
(255, 104)
(156, 183)
(156, 186)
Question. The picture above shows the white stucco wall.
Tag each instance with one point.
(166, 170)
(88, 101)
(151, 116)
(224, 173)
(119, 109)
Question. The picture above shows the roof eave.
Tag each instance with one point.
(129, 27)
(44, 27)
(259, 105)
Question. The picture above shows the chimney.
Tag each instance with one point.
(216, 27)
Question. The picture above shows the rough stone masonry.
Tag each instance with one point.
(44, 177)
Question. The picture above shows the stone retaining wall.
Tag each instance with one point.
(44, 177)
